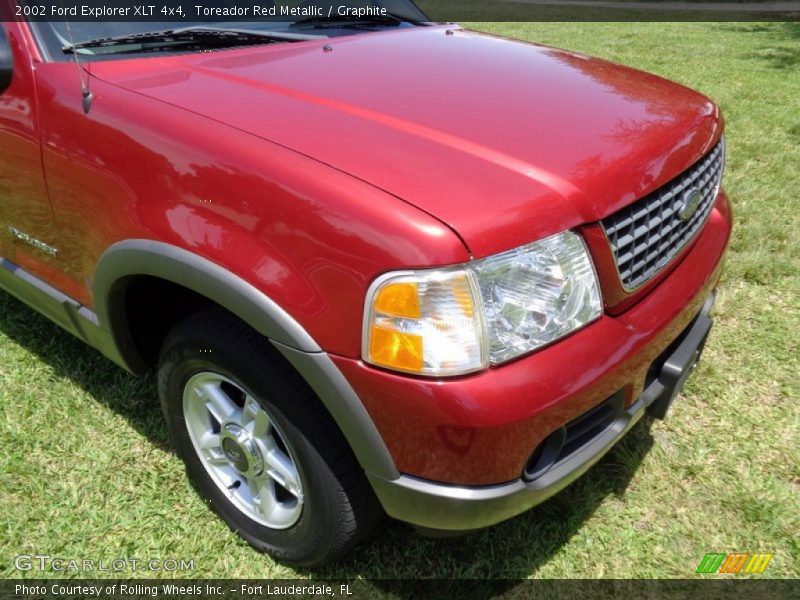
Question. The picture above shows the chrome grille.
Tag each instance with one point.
(649, 233)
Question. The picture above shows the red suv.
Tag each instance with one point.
(380, 265)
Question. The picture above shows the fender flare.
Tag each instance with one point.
(130, 258)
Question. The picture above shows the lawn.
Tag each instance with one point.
(87, 470)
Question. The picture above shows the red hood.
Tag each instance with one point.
(503, 141)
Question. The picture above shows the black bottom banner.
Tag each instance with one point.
(68, 589)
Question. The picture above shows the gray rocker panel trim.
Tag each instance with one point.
(58, 307)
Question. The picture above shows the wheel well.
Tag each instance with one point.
(153, 307)
(141, 310)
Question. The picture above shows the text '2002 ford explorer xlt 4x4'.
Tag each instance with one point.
(381, 265)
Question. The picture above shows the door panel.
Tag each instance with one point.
(24, 205)
(28, 236)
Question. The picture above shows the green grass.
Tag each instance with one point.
(590, 10)
(87, 469)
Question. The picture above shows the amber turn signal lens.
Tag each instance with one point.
(398, 300)
(396, 350)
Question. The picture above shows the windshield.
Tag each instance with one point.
(347, 17)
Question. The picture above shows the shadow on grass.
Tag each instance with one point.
(781, 43)
(514, 549)
(134, 398)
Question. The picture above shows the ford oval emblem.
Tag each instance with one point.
(691, 202)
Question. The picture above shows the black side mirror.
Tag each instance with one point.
(6, 61)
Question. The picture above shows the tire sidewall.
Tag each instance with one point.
(314, 531)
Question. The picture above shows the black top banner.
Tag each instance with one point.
(214, 11)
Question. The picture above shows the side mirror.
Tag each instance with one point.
(6, 61)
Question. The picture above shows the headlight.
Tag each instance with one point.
(458, 320)
(537, 294)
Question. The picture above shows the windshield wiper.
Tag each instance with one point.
(204, 36)
(351, 21)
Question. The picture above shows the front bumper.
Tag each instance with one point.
(462, 447)
(457, 508)
(480, 430)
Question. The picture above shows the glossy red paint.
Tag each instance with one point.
(526, 141)
(291, 167)
(310, 237)
(481, 429)
(310, 173)
(23, 192)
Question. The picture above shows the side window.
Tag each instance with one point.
(6, 61)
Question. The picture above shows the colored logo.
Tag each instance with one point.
(735, 562)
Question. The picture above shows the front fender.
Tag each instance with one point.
(130, 258)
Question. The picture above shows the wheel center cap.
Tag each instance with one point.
(241, 450)
(235, 455)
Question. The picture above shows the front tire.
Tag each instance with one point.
(259, 445)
